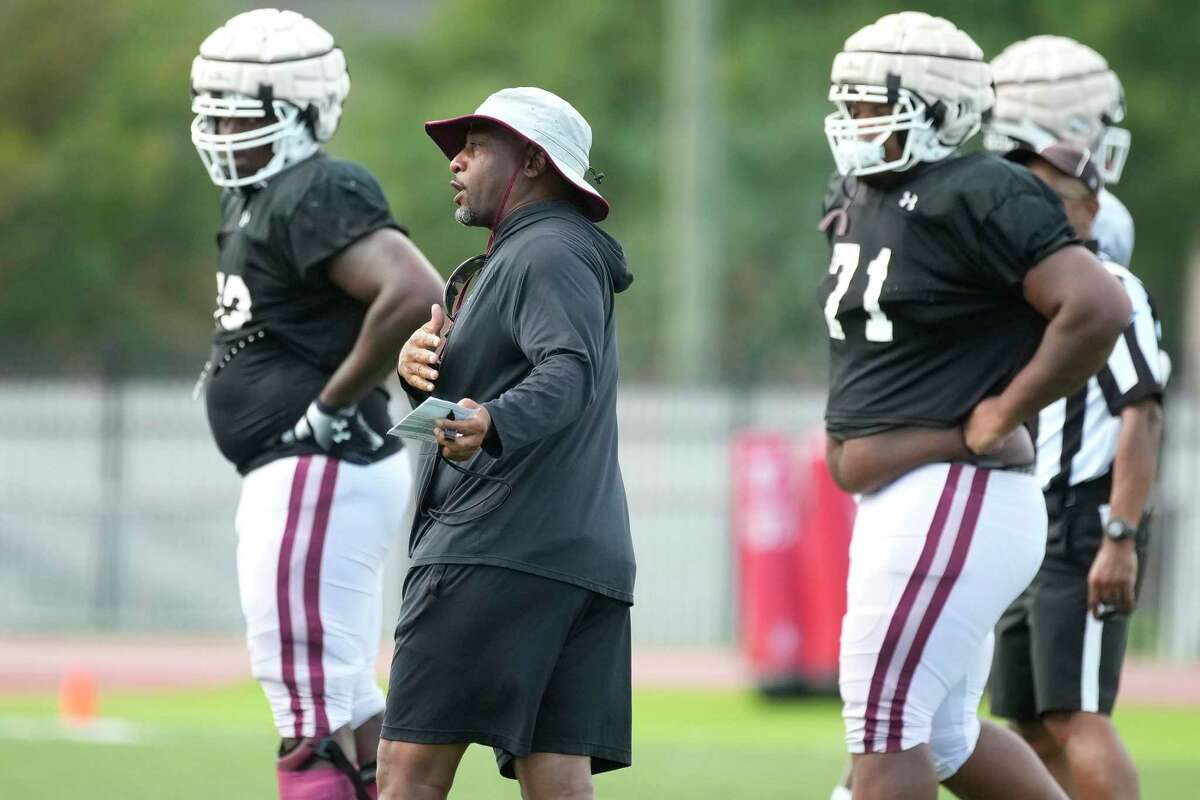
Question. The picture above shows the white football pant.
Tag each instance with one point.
(936, 557)
(313, 535)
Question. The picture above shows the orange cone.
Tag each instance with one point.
(77, 698)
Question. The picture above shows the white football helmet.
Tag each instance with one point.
(266, 64)
(930, 72)
(1054, 88)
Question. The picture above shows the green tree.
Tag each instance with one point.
(107, 218)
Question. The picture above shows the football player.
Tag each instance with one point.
(958, 303)
(1054, 89)
(317, 288)
(1060, 646)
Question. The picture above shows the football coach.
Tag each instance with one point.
(514, 627)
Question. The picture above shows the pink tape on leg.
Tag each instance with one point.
(314, 784)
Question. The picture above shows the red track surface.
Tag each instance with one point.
(38, 664)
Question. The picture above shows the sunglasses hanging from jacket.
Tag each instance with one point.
(453, 300)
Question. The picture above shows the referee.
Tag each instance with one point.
(1060, 646)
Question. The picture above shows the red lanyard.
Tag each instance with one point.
(500, 210)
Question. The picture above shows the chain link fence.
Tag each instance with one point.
(116, 512)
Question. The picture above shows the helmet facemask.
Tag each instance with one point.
(289, 136)
(1112, 153)
(858, 144)
(1003, 136)
(930, 75)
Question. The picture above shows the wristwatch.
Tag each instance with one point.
(1118, 529)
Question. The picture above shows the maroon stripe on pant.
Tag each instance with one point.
(287, 640)
(312, 596)
(904, 607)
(958, 556)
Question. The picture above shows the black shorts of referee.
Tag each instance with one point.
(1051, 653)
(515, 661)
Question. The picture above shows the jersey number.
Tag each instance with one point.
(844, 264)
(233, 302)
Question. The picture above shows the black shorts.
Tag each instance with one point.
(521, 663)
(1051, 654)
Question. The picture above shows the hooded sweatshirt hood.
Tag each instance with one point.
(579, 227)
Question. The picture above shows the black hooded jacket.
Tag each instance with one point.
(535, 342)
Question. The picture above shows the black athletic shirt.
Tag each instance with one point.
(535, 342)
(282, 327)
(924, 299)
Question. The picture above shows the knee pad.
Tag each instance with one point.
(297, 782)
(368, 699)
(952, 748)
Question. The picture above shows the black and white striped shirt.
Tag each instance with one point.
(1077, 435)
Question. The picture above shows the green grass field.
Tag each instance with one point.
(218, 743)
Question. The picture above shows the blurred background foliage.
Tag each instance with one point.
(107, 220)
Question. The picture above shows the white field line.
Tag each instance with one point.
(113, 731)
(103, 730)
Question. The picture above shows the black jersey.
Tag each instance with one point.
(282, 327)
(924, 299)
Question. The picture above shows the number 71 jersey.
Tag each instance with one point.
(923, 299)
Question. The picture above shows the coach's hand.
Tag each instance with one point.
(461, 438)
(1112, 580)
(988, 427)
(341, 432)
(419, 357)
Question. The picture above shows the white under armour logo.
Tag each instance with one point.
(244, 219)
(341, 431)
(909, 201)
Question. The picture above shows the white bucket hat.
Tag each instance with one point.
(542, 118)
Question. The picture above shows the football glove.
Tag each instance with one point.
(341, 432)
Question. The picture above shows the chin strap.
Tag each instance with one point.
(839, 218)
